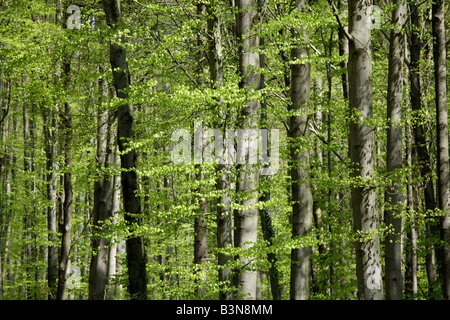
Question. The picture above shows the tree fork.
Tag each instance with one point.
(302, 202)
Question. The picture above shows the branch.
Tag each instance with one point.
(324, 141)
(335, 13)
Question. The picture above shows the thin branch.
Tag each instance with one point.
(336, 14)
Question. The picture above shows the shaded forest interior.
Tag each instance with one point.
(224, 150)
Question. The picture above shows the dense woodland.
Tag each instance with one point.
(352, 198)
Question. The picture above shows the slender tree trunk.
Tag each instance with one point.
(412, 234)
(246, 221)
(6, 161)
(66, 132)
(51, 143)
(103, 189)
(343, 51)
(200, 224)
(394, 196)
(26, 219)
(302, 201)
(114, 247)
(131, 202)
(50, 134)
(223, 183)
(365, 217)
(265, 214)
(440, 78)
(423, 156)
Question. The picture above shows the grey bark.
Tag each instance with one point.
(29, 251)
(113, 248)
(411, 257)
(361, 140)
(265, 214)
(423, 161)
(200, 223)
(51, 143)
(50, 134)
(102, 210)
(66, 226)
(343, 51)
(394, 196)
(440, 79)
(131, 203)
(223, 183)
(302, 202)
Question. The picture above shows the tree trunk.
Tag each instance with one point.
(103, 189)
(66, 132)
(200, 224)
(223, 184)
(394, 196)
(412, 234)
(51, 143)
(343, 51)
(28, 169)
(302, 201)
(50, 134)
(131, 202)
(246, 221)
(365, 218)
(114, 247)
(265, 214)
(6, 164)
(423, 161)
(440, 78)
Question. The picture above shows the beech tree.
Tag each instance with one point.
(361, 147)
(125, 133)
(300, 176)
(246, 220)
(394, 159)
(440, 78)
(312, 176)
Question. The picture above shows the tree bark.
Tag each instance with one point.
(365, 218)
(265, 214)
(223, 183)
(131, 202)
(50, 134)
(302, 202)
(394, 196)
(440, 78)
(51, 150)
(423, 161)
(411, 256)
(114, 247)
(200, 223)
(103, 189)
